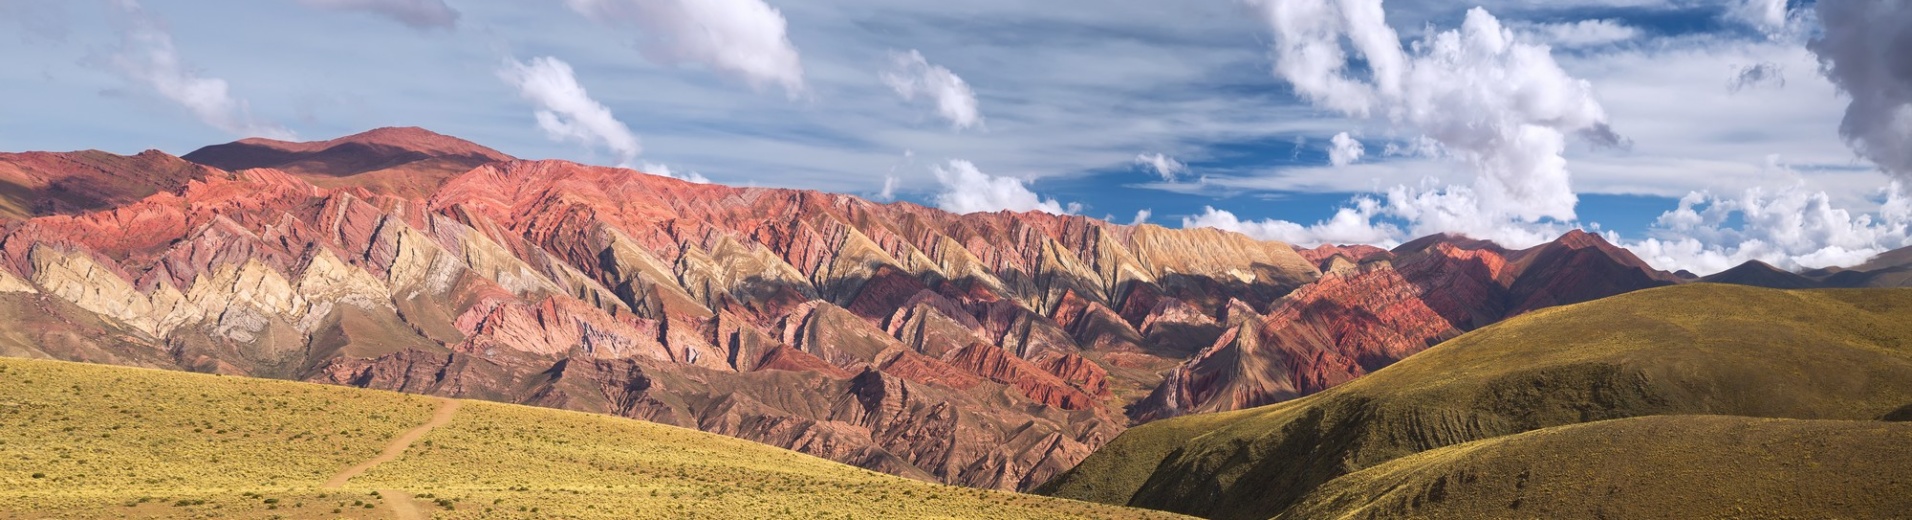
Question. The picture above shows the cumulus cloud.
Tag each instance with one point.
(912, 77)
(1344, 150)
(969, 190)
(418, 14)
(565, 111)
(1862, 51)
(1355, 224)
(744, 38)
(147, 57)
(1478, 94)
(1792, 228)
(1581, 34)
(1164, 166)
(1142, 217)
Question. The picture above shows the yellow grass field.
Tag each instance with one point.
(86, 441)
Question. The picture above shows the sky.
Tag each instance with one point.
(1701, 134)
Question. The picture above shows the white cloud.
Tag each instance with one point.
(912, 76)
(969, 190)
(1791, 228)
(1344, 150)
(1581, 34)
(1166, 167)
(565, 111)
(1142, 217)
(1717, 138)
(418, 14)
(147, 56)
(665, 170)
(1862, 51)
(1479, 95)
(1769, 16)
(745, 38)
(888, 194)
(1349, 225)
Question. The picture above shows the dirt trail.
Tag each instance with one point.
(398, 445)
(402, 506)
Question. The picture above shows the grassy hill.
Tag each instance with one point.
(1700, 349)
(1701, 467)
(86, 441)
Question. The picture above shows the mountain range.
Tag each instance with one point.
(993, 350)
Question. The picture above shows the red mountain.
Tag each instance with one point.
(990, 350)
(1358, 319)
(406, 162)
(43, 183)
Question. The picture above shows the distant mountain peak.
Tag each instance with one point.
(1761, 274)
(404, 161)
(408, 138)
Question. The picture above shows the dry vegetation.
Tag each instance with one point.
(84, 441)
(1698, 349)
(1699, 467)
(74, 435)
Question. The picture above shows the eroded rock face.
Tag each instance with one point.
(1359, 318)
(991, 350)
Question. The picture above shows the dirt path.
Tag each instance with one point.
(398, 446)
(403, 508)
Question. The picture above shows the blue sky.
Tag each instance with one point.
(1055, 102)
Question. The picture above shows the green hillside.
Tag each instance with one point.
(86, 441)
(1698, 349)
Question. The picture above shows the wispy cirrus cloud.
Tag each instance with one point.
(417, 14)
(147, 57)
(1580, 34)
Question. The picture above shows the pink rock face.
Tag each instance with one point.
(1353, 322)
(991, 350)
(1354, 253)
(1321, 335)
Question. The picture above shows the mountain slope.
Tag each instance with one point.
(92, 441)
(1359, 318)
(1701, 467)
(1693, 349)
(42, 183)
